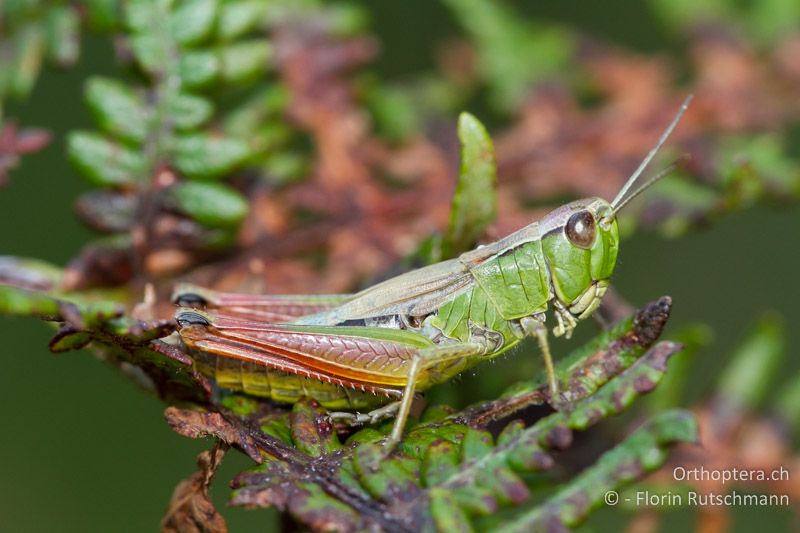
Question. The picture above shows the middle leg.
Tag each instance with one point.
(372, 417)
(534, 327)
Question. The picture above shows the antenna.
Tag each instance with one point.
(620, 199)
(649, 182)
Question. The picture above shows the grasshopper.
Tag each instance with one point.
(373, 350)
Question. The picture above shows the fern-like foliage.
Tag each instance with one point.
(32, 32)
(449, 471)
(164, 156)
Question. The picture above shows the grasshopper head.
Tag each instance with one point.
(580, 241)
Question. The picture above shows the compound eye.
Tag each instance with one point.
(580, 229)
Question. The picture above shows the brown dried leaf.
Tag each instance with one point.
(190, 509)
(15, 143)
(99, 265)
(197, 424)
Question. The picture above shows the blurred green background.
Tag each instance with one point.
(83, 450)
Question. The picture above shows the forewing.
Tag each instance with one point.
(272, 308)
(360, 355)
(414, 293)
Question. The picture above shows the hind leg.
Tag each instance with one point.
(424, 359)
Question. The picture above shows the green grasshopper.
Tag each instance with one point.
(375, 349)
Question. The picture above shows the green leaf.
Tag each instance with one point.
(757, 164)
(312, 433)
(68, 340)
(147, 19)
(150, 52)
(29, 48)
(188, 111)
(381, 476)
(686, 14)
(117, 109)
(508, 45)
(145, 15)
(475, 200)
(105, 163)
(212, 204)
(787, 403)
(193, 20)
(284, 166)
(218, 239)
(347, 19)
(304, 500)
(672, 390)
(447, 514)
(772, 20)
(25, 302)
(257, 112)
(749, 376)
(22, 302)
(441, 461)
(63, 28)
(396, 112)
(199, 68)
(202, 156)
(277, 426)
(689, 201)
(245, 60)
(268, 139)
(239, 17)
